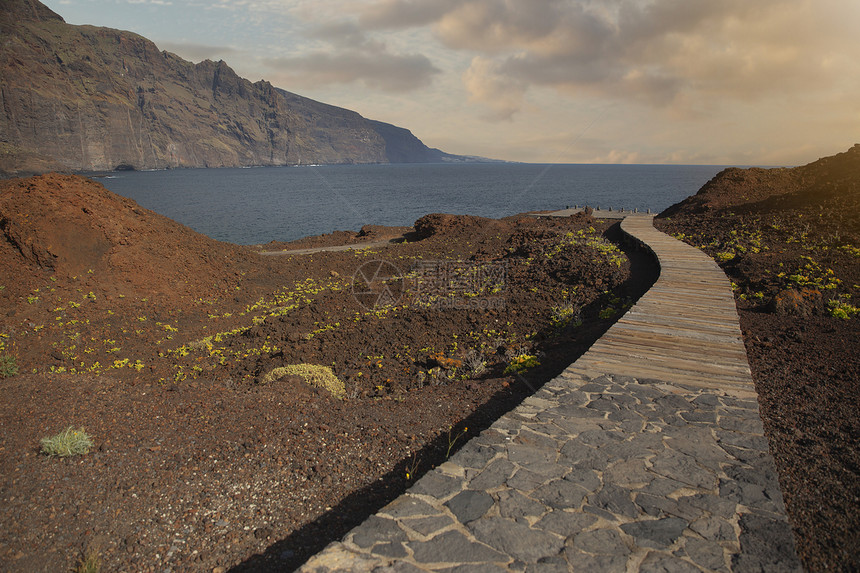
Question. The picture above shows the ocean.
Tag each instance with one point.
(258, 205)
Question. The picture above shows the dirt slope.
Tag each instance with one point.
(66, 226)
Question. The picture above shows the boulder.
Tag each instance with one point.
(794, 302)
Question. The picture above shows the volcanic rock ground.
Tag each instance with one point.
(157, 341)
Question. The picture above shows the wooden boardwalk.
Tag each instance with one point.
(684, 330)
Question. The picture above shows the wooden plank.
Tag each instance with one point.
(693, 323)
(597, 367)
(686, 363)
(651, 329)
(677, 344)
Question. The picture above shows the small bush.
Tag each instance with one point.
(522, 362)
(319, 376)
(842, 309)
(89, 563)
(564, 314)
(607, 313)
(69, 442)
(8, 366)
(475, 362)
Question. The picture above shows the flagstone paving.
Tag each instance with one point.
(646, 454)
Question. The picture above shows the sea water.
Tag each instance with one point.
(254, 206)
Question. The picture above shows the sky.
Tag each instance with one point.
(722, 82)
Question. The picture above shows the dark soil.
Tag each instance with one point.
(158, 342)
(789, 239)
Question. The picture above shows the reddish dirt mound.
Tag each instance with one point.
(70, 226)
(758, 190)
(439, 223)
(789, 239)
(733, 187)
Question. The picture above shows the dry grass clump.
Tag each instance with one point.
(89, 563)
(8, 359)
(476, 363)
(8, 366)
(69, 442)
(315, 375)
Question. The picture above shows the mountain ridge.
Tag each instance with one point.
(86, 98)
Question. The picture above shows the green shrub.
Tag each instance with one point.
(842, 309)
(565, 314)
(607, 313)
(319, 376)
(522, 362)
(8, 366)
(69, 442)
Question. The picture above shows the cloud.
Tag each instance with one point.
(485, 85)
(403, 13)
(197, 52)
(620, 156)
(351, 55)
(389, 72)
(661, 53)
(346, 35)
(496, 26)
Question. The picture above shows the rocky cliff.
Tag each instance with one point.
(401, 146)
(87, 98)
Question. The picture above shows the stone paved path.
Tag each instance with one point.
(622, 463)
